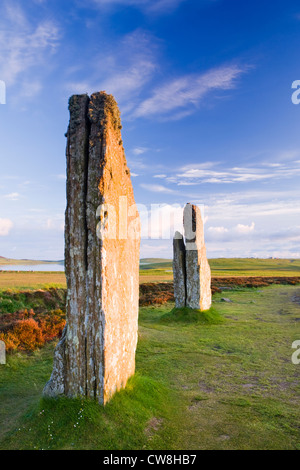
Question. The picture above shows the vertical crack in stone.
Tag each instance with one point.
(86, 177)
(85, 239)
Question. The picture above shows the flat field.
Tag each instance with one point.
(160, 270)
(222, 380)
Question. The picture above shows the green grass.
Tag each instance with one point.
(199, 384)
(13, 300)
(232, 267)
(72, 424)
(255, 267)
(188, 315)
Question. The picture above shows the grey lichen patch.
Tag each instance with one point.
(77, 110)
(56, 385)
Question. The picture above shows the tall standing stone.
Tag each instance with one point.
(192, 275)
(96, 354)
(198, 274)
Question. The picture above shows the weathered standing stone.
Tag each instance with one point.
(96, 354)
(2, 353)
(192, 276)
(198, 274)
(179, 271)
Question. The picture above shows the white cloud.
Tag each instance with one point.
(5, 227)
(56, 223)
(188, 91)
(218, 230)
(12, 196)
(156, 188)
(139, 150)
(191, 175)
(245, 229)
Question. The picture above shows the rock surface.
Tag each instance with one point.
(96, 354)
(198, 274)
(196, 291)
(2, 353)
(179, 272)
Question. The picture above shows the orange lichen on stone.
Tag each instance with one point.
(97, 353)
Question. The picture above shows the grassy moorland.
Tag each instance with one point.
(223, 380)
(160, 270)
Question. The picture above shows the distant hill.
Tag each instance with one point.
(9, 261)
(154, 260)
(155, 263)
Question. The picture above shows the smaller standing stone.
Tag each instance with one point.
(179, 270)
(198, 274)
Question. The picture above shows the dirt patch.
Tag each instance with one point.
(153, 426)
(205, 388)
(296, 298)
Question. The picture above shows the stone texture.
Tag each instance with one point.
(2, 353)
(198, 274)
(179, 272)
(192, 275)
(96, 354)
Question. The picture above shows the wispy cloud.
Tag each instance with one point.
(125, 69)
(25, 47)
(5, 227)
(12, 196)
(156, 188)
(218, 173)
(139, 150)
(55, 223)
(224, 233)
(147, 6)
(183, 94)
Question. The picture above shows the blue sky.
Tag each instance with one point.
(204, 89)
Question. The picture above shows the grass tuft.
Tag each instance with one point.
(188, 315)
